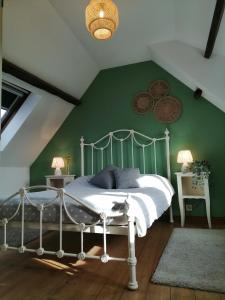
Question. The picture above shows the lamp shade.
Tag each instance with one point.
(102, 18)
(58, 163)
(184, 156)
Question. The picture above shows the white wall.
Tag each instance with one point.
(12, 179)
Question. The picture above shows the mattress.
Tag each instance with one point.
(146, 203)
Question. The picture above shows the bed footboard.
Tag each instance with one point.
(81, 227)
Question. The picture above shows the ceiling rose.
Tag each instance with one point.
(102, 18)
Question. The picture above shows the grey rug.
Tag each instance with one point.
(14, 236)
(193, 258)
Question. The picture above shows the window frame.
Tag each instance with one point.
(22, 95)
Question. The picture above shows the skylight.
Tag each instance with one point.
(12, 99)
(3, 112)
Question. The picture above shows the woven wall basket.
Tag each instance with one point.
(167, 109)
(143, 103)
(159, 89)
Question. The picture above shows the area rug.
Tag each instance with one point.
(193, 258)
(14, 236)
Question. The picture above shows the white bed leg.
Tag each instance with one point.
(171, 214)
(132, 261)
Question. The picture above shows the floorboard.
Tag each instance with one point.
(28, 277)
(157, 292)
(182, 294)
(199, 295)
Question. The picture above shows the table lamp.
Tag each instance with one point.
(58, 163)
(184, 157)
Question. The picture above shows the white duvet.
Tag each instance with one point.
(146, 203)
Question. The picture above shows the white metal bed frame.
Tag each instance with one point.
(100, 226)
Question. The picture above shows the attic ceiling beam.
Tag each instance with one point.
(217, 18)
(19, 73)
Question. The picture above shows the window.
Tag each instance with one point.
(12, 99)
(3, 112)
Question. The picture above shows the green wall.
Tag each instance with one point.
(107, 106)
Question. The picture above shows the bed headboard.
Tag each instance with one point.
(125, 143)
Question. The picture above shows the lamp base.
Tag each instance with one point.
(185, 168)
(58, 172)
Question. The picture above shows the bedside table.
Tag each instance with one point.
(187, 191)
(59, 181)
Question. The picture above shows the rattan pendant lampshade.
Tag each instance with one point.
(102, 18)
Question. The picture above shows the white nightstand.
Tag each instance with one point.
(59, 181)
(187, 191)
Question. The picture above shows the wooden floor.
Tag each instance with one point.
(27, 277)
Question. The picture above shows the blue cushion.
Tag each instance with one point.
(126, 178)
(105, 179)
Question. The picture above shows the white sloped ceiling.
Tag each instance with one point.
(141, 22)
(36, 39)
(188, 65)
(177, 29)
(49, 37)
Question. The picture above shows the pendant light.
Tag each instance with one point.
(102, 18)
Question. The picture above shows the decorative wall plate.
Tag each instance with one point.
(167, 109)
(159, 89)
(143, 103)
